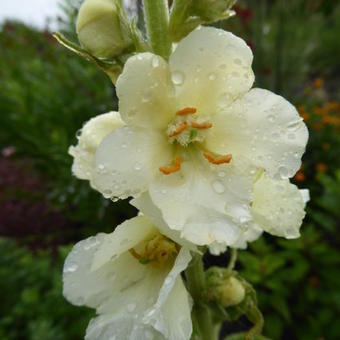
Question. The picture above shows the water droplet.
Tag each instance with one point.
(131, 307)
(235, 74)
(164, 191)
(155, 62)
(212, 76)
(147, 97)
(218, 186)
(238, 61)
(291, 136)
(296, 155)
(271, 118)
(177, 78)
(283, 171)
(221, 174)
(107, 193)
(137, 166)
(78, 133)
(292, 126)
(71, 268)
(124, 145)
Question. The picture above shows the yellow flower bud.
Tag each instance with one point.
(231, 292)
(102, 28)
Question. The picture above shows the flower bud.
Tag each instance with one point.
(102, 28)
(212, 10)
(231, 292)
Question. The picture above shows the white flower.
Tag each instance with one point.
(278, 207)
(132, 278)
(90, 136)
(196, 136)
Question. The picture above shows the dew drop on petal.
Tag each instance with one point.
(271, 118)
(218, 186)
(212, 76)
(131, 307)
(137, 166)
(283, 171)
(238, 61)
(177, 78)
(71, 268)
(155, 62)
(221, 174)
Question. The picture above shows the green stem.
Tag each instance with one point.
(201, 315)
(233, 258)
(156, 14)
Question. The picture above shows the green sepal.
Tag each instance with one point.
(186, 15)
(111, 67)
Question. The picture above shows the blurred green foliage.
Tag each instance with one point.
(46, 94)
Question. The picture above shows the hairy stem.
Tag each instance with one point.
(156, 13)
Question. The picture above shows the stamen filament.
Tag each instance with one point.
(186, 111)
(167, 170)
(201, 125)
(217, 159)
(135, 254)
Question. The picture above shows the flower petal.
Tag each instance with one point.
(278, 207)
(145, 205)
(128, 159)
(80, 285)
(92, 133)
(171, 313)
(144, 92)
(210, 68)
(126, 236)
(264, 127)
(120, 326)
(207, 203)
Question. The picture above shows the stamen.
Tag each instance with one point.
(135, 254)
(201, 125)
(167, 170)
(179, 130)
(217, 159)
(186, 111)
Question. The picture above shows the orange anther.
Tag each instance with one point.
(217, 159)
(179, 130)
(186, 111)
(201, 125)
(167, 170)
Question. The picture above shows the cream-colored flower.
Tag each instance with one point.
(132, 278)
(196, 135)
(90, 136)
(278, 207)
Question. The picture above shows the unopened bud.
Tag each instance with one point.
(102, 28)
(231, 292)
(210, 10)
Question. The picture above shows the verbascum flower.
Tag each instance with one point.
(132, 278)
(196, 137)
(89, 138)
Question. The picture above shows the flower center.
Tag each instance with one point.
(158, 250)
(187, 128)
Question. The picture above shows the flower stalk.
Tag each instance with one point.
(201, 314)
(156, 14)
